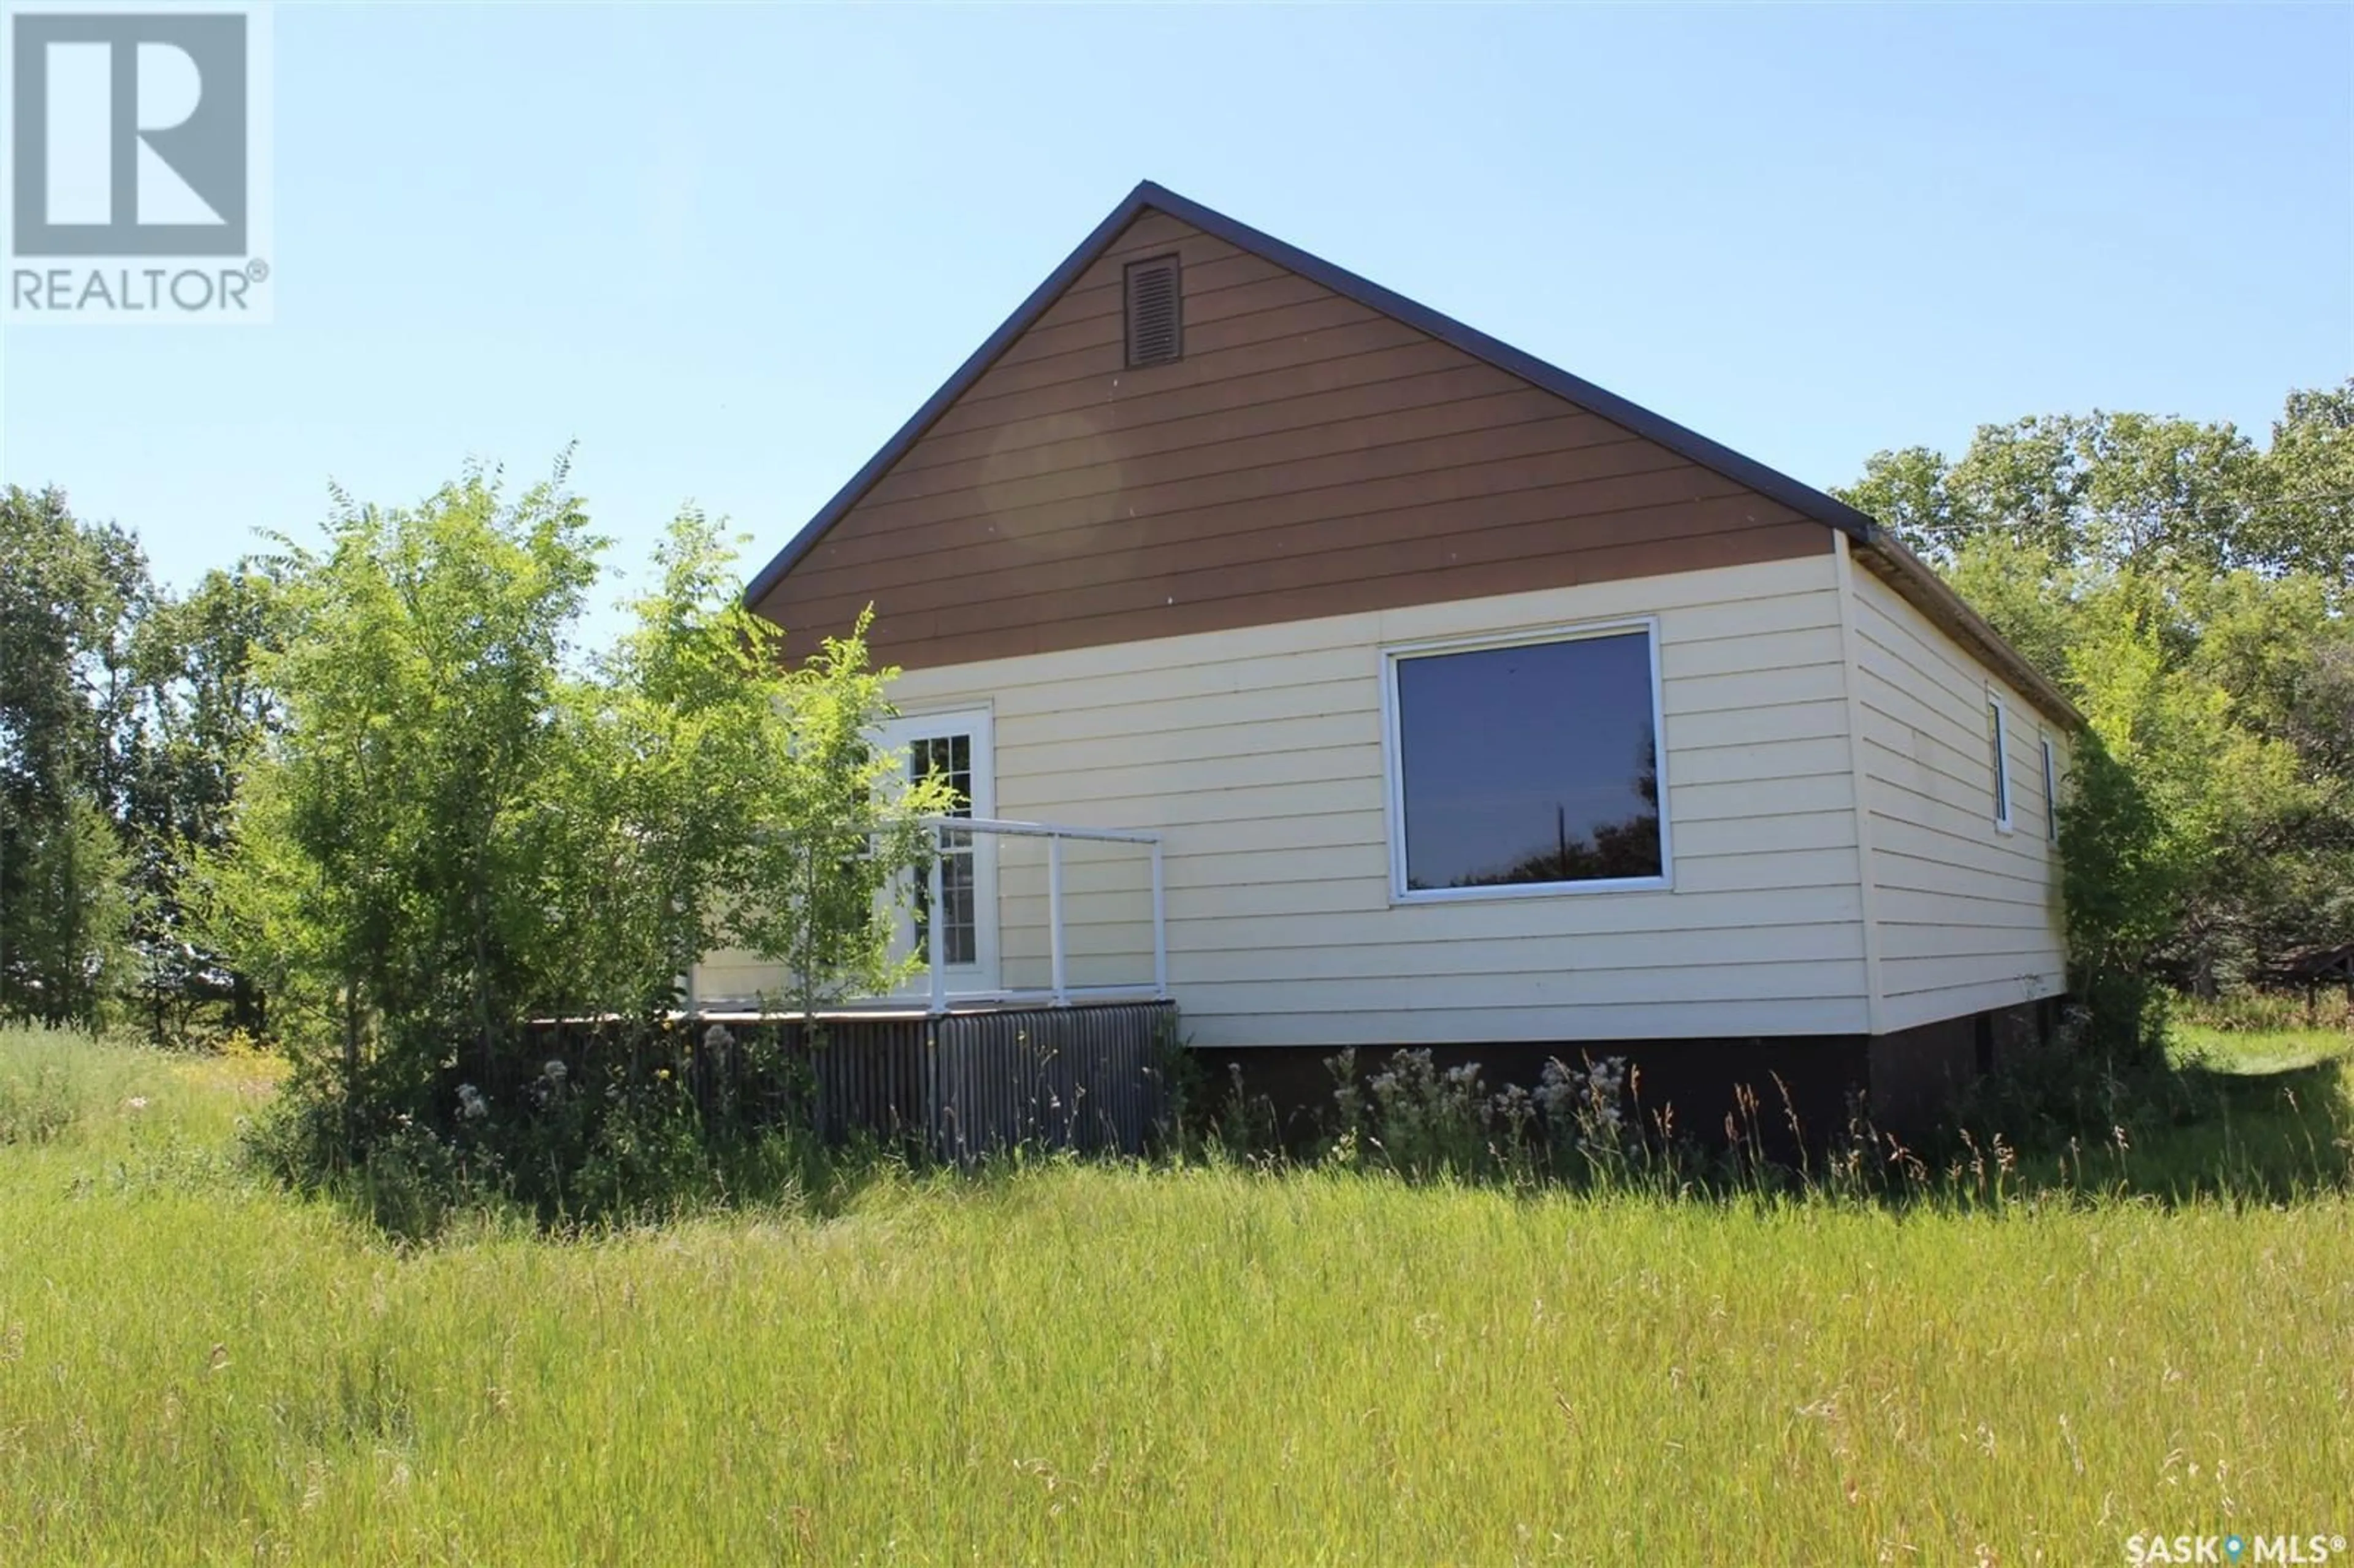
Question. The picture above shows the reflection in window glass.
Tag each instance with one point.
(2001, 744)
(1530, 765)
(2050, 794)
(948, 755)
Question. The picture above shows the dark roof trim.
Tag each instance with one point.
(1800, 498)
(1905, 572)
(1918, 584)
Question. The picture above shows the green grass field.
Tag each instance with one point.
(1072, 1364)
(2263, 1035)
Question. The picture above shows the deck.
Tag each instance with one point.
(1047, 1032)
(977, 1079)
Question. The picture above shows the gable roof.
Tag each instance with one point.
(1904, 571)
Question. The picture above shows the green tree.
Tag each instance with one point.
(2122, 896)
(2103, 490)
(70, 595)
(1910, 492)
(2226, 798)
(727, 797)
(2039, 604)
(391, 863)
(201, 713)
(2188, 589)
(2023, 479)
(460, 821)
(2305, 513)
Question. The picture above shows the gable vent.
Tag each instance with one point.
(1156, 325)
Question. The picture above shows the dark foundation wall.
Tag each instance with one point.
(1905, 1081)
(1918, 1073)
(1693, 1083)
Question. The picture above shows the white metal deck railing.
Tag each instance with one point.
(1060, 991)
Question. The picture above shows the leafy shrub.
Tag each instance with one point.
(413, 1181)
(462, 826)
(2077, 1086)
(2121, 890)
(630, 1126)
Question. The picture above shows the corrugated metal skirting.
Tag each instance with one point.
(1088, 1077)
(969, 1084)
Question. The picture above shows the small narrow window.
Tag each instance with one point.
(2001, 766)
(1156, 316)
(2051, 792)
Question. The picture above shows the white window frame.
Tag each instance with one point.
(1393, 759)
(2004, 820)
(982, 977)
(2051, 792)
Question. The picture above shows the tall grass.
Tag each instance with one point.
(2328, 1010)
(2264, 1032)
(1061, 1363)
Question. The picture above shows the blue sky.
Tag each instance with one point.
(728, 250)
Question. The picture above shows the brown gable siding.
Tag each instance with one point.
(1308, 456)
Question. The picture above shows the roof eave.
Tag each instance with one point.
(1920, 586)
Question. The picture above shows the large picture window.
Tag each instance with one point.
(1527, 767)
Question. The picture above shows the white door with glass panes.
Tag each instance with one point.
(957, 745)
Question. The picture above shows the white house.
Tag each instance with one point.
(1466, 705)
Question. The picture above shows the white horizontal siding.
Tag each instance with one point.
(1259, 754)
(732, 975)
(1107, 912)
(1967, 916)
